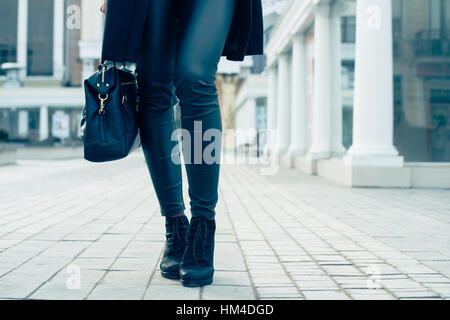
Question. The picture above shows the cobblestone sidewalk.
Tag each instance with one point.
(77, 230)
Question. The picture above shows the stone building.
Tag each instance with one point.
(399, 130)
(52, 45)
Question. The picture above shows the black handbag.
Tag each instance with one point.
(109, 129)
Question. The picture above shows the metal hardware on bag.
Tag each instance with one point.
(103, 74)
(124, 98)
(102, 103)
(128, 83)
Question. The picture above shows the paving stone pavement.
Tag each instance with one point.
(78, 230)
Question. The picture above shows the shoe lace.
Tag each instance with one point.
(174, 234)
(175, 229)
(200, 239)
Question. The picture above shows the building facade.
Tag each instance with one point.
(53, 45)
(421, 31)
(34, 35)
(251, 99)
(372, 113)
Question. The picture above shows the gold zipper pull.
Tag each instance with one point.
(103, 74)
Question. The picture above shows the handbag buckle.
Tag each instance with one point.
(102, 103)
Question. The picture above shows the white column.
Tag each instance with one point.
(59, 28)
(22, 35)
(373, 104)
(90, 45)
(337, 149)
(43, 123)
(272, 79)
(92, 21)
(23, 124)
(298, 94)
(283, 103)
(88, 68)
(322, 84)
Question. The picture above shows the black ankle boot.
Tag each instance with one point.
(175, 244)
(197, 264)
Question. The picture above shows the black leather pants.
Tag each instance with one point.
(182, 45)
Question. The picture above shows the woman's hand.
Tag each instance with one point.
(103, 7)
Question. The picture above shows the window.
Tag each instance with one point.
(40, 38)
(348, 75)
(422, 80)
(261, 123)
(8, 34)
(348, 25)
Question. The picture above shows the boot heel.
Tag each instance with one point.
(197, 283)
(170, 275)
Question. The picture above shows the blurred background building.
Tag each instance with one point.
(358, 90)
(242, 89)
(46, 47)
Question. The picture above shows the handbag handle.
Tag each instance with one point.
(103, 63)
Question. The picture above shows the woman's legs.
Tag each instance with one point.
(202, 30)
(155, 69)
(182, 45)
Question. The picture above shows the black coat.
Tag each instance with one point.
(125, 21)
